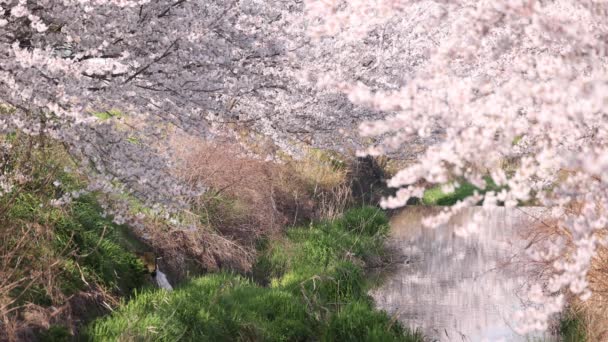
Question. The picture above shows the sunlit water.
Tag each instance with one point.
(455, 288)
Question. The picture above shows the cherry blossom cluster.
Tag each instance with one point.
(202, 67)
(181, 65)
(514, 90)
(518, 90)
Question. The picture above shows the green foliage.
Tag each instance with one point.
(272, 263)
(435, 196)
(91, 245)
(571, 328)
(359, 233)
(90, 242)
(318, 291)
(217, 307)
(6, 109)
(368, 221)
(517, 139)
(359, 322)
(34, 294)
(134, 140)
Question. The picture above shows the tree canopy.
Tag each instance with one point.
(514, 90)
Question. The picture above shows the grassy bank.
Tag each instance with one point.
(316, 289)
(92, 247)
(62, 265)
(67, 263)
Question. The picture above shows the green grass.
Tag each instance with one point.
(102, 246)
(55, 333)
(218, 307)
(94, 247)
(317, 291)
(571, 328)
(87, 245)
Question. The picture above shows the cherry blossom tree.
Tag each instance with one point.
(110, 78)
(517, 90)
(112, 83)
(480, 83)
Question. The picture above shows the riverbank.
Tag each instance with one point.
(62, 263)
(243, 273)
(68, 263)
(309, 286)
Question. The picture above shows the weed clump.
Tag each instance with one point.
(317, 291)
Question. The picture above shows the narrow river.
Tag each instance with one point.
(457, 288)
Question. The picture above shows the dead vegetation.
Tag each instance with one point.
(20, 272)
(42, 286)
(249, 198)
(590, 317)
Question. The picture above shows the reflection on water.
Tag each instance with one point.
(455, 288)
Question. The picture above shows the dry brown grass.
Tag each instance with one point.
(263, 194)
(183, 253)
(26, 263)
(33, 265)
(244, 199)
(17, 275)
(323, 180)
(594, 311)
(247, 198)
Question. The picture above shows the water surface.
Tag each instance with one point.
(457, 288)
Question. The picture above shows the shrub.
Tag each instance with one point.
(249, 199)
(581, 320)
